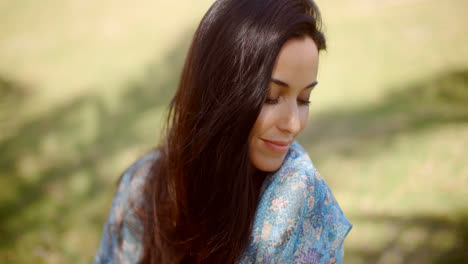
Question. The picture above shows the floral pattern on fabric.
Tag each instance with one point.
(297, 219)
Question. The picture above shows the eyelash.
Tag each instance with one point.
(275, 101)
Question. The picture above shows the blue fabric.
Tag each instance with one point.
(297, 220)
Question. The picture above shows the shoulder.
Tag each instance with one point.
(319, 213)
(140, 168)
(129, 191)
(134, 177)
(323, 224)
(296, 212)
(298, 160)
(283, 200)
(131, 182)
(296, 176)
(321, 206)
(128, 194)
(122, 233)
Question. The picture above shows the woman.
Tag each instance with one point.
(229, 184)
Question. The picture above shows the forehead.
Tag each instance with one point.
(297, 61)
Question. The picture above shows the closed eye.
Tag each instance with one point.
(272, 101)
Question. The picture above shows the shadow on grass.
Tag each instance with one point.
(439, 100)
(60, 129)
(11, 94)
(417, 239)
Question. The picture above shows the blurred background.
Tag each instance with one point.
(84, 86)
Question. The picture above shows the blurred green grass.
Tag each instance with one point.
(84, 85)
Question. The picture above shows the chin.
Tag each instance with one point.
(267, 164)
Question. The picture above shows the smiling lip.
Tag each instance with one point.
(280, 147)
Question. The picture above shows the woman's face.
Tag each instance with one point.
(285, 112)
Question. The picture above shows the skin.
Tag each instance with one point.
(285, 112)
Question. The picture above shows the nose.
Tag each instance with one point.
(290, 120)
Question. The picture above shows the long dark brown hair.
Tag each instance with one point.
(202, 193)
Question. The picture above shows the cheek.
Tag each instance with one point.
(304, 117)
(263, 123)
(263, 127)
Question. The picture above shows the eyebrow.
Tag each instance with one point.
(312, 85)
